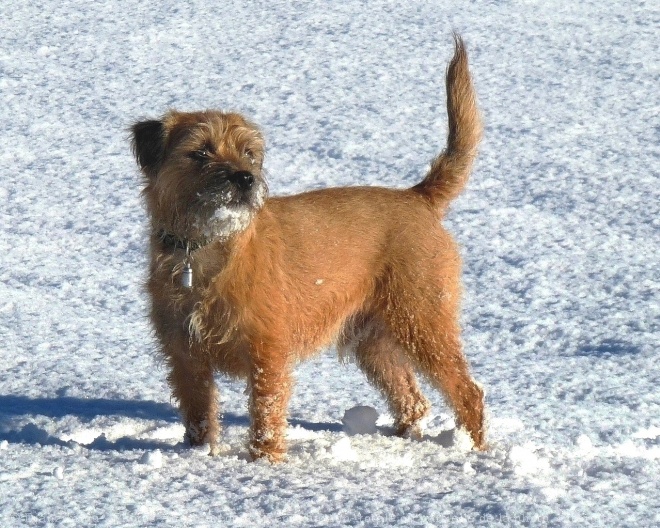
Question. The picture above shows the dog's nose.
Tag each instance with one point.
(242, 179)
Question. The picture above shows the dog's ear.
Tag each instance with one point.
(148, 145)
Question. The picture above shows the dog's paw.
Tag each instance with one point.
(274, 456)
(411, 432)
(219, 449)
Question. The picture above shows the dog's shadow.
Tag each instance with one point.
(12, 407)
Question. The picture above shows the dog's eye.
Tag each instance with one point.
(249, 155)
(202, 154)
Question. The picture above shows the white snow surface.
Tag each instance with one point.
(559, 229)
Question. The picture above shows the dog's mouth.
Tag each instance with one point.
(227, 205)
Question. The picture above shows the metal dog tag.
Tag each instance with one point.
(187, 276)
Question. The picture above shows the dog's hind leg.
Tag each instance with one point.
(424, 319)
(443, 362)
(381, 358)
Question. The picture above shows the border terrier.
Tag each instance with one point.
(247, 285)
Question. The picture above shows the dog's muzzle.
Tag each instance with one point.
(244, 180)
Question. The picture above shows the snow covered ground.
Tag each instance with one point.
(560, 230)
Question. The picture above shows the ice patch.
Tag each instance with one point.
(58, 472)
(4, 445)
(360, 420)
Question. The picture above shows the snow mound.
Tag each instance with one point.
(360, 420)
(153, 459)
(343, 450)
(525, 461)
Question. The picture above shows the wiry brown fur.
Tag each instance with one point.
(367, 267)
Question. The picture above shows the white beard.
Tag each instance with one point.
(233, 218)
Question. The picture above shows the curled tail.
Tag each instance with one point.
(450, 170)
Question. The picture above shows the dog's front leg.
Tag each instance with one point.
(270, 388)
(194, 387)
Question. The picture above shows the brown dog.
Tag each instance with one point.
(275, 279)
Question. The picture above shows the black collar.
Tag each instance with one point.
(173, 242)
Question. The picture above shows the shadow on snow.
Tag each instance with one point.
(11, 406)
(608, 348)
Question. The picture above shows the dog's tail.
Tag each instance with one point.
(450, 170)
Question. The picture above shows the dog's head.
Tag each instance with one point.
(203, 172)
